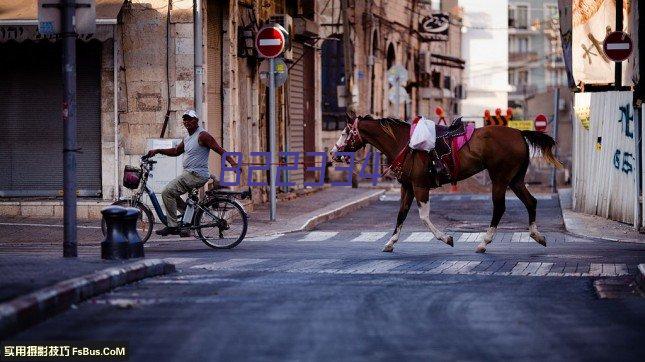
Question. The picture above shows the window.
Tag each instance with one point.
(447, 82)
(511, 17)
(522, 16)
(436, 79)
(511, 77)
(523, 44)
(523, 77)
(551, 11)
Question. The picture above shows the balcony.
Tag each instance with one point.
(522, 92)
(522, 56)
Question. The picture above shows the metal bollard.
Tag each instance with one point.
(115, 245)
(130, 230)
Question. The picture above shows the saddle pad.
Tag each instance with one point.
(459, 141)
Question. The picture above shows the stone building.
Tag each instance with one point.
(383, 34)
(136, 76)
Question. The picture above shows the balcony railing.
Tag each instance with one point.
(522, 56)
(524, 91)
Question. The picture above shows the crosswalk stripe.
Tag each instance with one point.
(370, 236)
(319, 235)
(179, 261)
(419, 237)
(385, 266)
(228, 264)
(375, 267)
(265, 237)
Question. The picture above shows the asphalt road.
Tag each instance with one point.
(331, 294)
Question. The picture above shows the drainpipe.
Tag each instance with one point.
(199, 60)
(115, 105)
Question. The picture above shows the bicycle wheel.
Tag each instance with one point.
(146, 221)
(221, 224)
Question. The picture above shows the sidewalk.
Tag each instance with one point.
(593, 226)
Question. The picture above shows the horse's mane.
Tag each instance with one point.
(386, 123)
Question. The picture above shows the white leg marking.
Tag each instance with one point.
(389, 246)
(424, 214)
(488, 238)
(535, 234)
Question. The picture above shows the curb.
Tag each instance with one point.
(30, 309)
(340, 211)
(640, 276)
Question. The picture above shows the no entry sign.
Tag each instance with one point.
(540, 123)
(618, 46)
(270, 41)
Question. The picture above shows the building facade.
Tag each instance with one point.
(384, 34)
(136, 76)
(485, 49)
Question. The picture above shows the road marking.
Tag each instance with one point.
(179, 261)
(370, 236)
(373, 267)
(228, 264)
(385, 266)
(265, 237)
(419, 237)
(470, 237)
(46, 225)
(319, 235)
(521, 238)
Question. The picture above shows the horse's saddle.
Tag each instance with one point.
(445, 164)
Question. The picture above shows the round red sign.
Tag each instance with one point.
(540, 123)
(270, 42)
(618, 46)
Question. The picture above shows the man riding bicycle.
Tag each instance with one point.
(196, 146)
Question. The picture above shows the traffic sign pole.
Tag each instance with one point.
(69, 129)
(556, 110)
(272, 145)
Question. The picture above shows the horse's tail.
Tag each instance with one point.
(545, 143)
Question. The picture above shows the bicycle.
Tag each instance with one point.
(218, 220)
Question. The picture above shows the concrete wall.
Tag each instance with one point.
(605, 174)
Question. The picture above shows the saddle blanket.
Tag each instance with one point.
(423, 134)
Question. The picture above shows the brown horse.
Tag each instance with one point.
(503, 151)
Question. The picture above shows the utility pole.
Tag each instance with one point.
(553, 34)
(347, 56)
(69, 129)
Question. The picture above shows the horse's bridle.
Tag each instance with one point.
(354, 139)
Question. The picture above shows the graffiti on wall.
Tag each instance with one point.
(624, 161)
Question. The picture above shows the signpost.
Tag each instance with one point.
(398, 77)
(68, 18)
(540, 123)
(618, 46)
(270, 43)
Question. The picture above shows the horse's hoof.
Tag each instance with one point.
(480, 249)
(449, 241)
(388, 249)
(540, 239)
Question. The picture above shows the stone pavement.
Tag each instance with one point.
(31, 249)
(595, 226)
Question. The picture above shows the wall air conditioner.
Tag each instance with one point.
(287, 22)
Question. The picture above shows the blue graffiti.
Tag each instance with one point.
(625, 118)
(627, 164)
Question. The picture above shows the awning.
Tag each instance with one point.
(19, 21)
(447, 61)
(25, 12)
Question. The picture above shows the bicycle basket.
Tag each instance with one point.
(131, 177)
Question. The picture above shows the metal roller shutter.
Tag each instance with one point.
(30, 115)
(214, 96)
(296, 111)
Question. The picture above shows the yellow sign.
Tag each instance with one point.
(522, 125)
(583, 115)
(280, 67)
